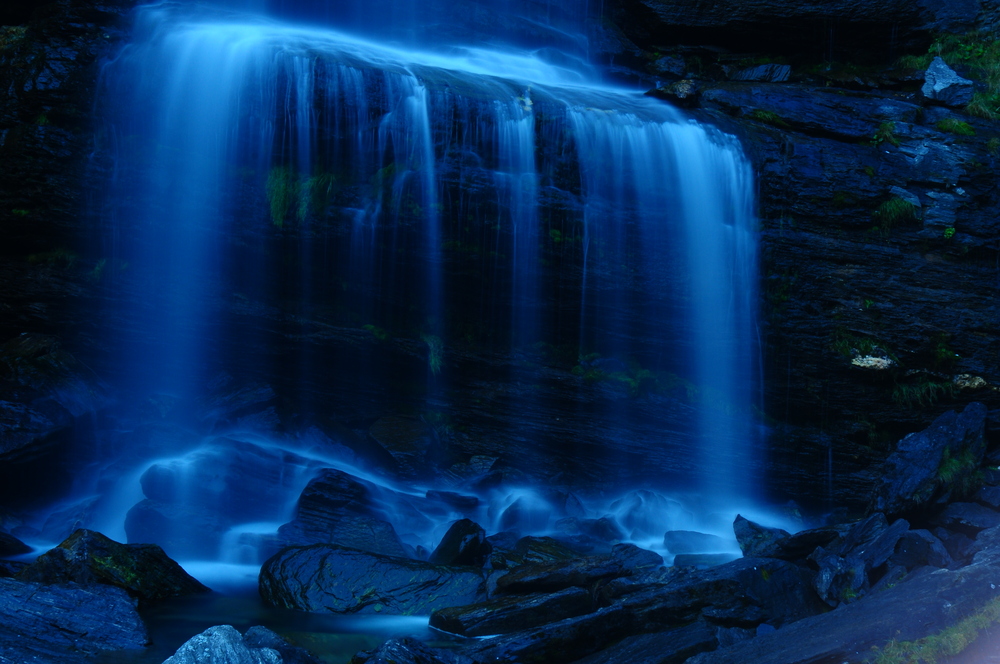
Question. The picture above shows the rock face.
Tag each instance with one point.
(65, 624)
(942, 84)
(335, 579)
(934, 465)
(142, 570)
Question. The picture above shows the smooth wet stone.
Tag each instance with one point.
(689, 541)
(65, 624)
(513, 613)
(333, 579)
(464, 544)
(756, 540)
(142, 570)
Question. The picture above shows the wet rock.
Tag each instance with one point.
(742, 593)
(840, 579)
(958, 545)
(9, 568)
(66, 624)
(764, 73)
(11, 546)
(942, 84)
(931, 466)
(917, 548)
(554, 576)
(337, 508)
(919, 606)
(703, 560)
(242, 403)
(757, 540)
(514, 613)
(464, 544)
(989, 496)
(986, 541)
(636, 559)
(224, 645)
(404, 650)
(669, 66)
(968, 518)
(872, 540)
(564, 640)
(688, 541)
(802, 543)
(262, 637)
(509, 551)
(684, 93)
(670, 647)
(43, 390)
(142, 570)
(334, 579)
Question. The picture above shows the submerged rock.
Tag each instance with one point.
(143, 570)
(65, 624)
(334, 579)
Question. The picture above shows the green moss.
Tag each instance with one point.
(282, 191)
(993, 146)
(314, 194)
(894, 212)
(922, 392)
(958, 127)
(961, 473)
(20, 212)
(851, 345)
(98, 270)
(59, 257)
(947, 643)
(886, 133)
(769, 117)
(11, 35)
(377, 332)
(949, 232)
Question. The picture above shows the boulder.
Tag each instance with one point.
(509, 551)
(513, 613)
(11, 546)
(337, 508)
(968, 518)
(66, 624)
(942, 84)
(142, 570)
(464, 544)
(688, 541)
(989, 496)
(841, 579)
(333, 579)
(959, 545)
(917, 548)
(224, 645)
(757, 540)
(932, 466)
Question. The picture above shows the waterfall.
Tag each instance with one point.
(281, 180)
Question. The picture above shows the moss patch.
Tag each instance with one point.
(946, 643)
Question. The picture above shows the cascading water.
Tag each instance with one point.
(278, 189)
